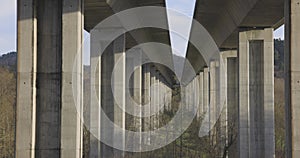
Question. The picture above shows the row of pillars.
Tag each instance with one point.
(48, 120)
(236, 97)
(120, 81)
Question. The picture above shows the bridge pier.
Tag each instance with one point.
(146, 98)
(48, 123)
(206, 90)
(115, 53)
(256, 94)
(292, 77)
(95, 103)
(201, 90)
(229, 114)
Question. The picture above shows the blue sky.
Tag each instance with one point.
(8, 27)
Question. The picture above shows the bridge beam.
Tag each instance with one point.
(256, 94)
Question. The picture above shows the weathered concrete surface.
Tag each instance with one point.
(292, 77)
(26, 89)
(95, 104)
(206, 90)
(213, 97)
(72, 68)
(54, 126)
(119, 87)
(201, 91)
(256, 94)
(146, 98)
(229, 91)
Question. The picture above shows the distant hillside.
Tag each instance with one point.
(9, 61)
(279, 58)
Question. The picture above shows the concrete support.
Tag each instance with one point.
(72, 68)
(228, 94)
(119, 87)
(256, 94)
(113, 81)
(292, 77)
(213, 96)
(201, 91)
(48, 124)
(152, 95)
(146, 97)
(137, 93)
(26, 89)
(206, 90)
(157, 101)
(95, 104)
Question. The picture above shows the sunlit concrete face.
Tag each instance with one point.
(47, 62)
(256, 94)
(292, 77)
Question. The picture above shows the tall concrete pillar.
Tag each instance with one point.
(146, 98)
(72, 68)
(206, 90)
(113, 80)
(206, 122)
(95, 103)
(26, 89)
(48, 123)
(152, 95)
(256, 94)
(157, 102)
(213, 96)
(229, 91)
(292, 77)
(201, 91)
(137, 93)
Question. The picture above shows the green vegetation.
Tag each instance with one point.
(7, 112)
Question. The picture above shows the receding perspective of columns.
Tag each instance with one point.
(292, 77)
(256, 94)
(48, 123)
(229, 94)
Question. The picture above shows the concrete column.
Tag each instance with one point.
(228, 94)
(47, 54)
(72, 68)
(26, 89)
(113, 54)
(152, 95)
(157, 98)
(256, 94)
(206, 90)
(146, 97)
(206, 122)
(137, 93)
(119, 86)
(95, 104)
(292, 77)
(49, 79)
(200, 81)
(213, 94)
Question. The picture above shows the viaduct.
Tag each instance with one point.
(50, 35)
